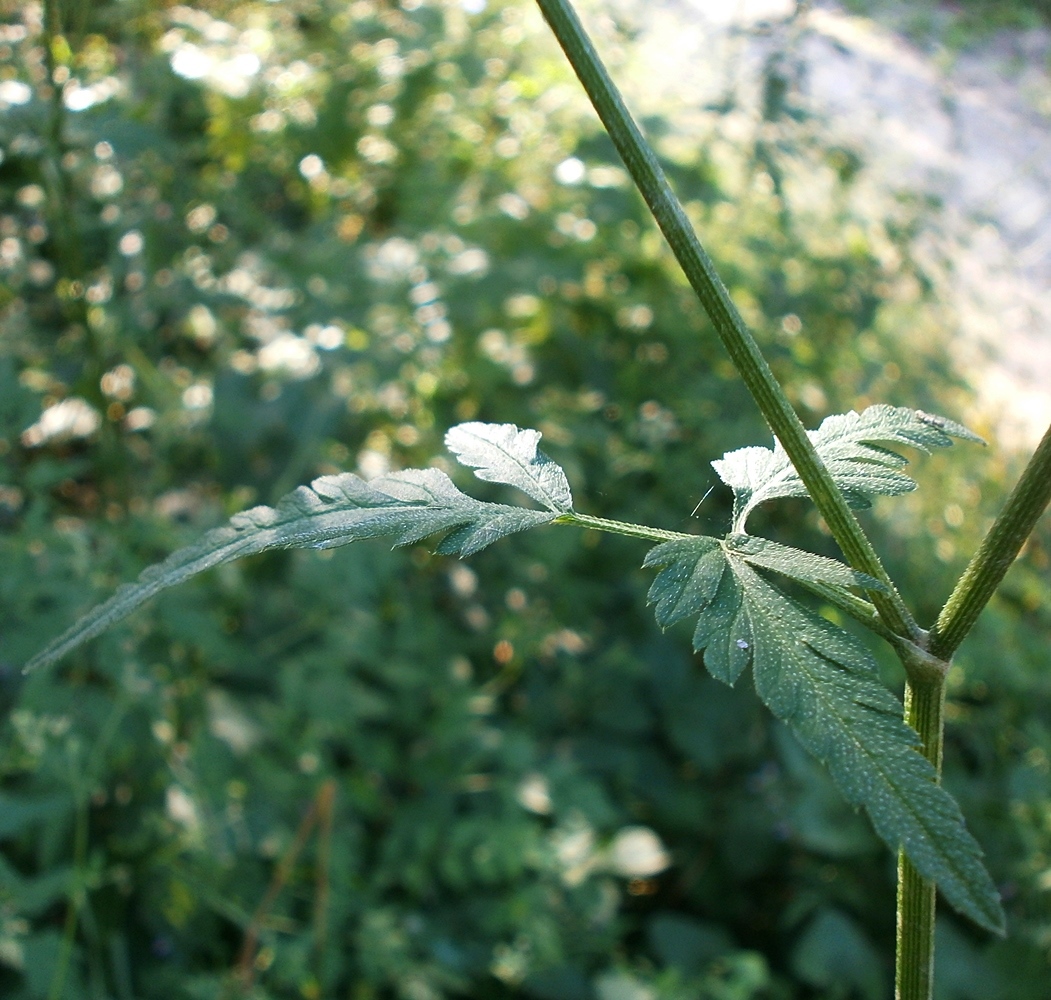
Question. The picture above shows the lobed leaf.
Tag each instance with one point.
(824, 684)
(852, 446)
(502, 453)
(332, 511)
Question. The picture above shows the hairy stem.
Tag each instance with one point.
(914, 966)
(925, 702)
(999, 548)
(642, 164)
(857, 607)
(619, 527)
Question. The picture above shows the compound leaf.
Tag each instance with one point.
(852, 446)
(332, 511)
(502, 453)
(824, 684)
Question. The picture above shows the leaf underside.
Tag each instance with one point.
(824, 684)
(853, 447)
(501, 453)
(332, 511)
(336, 510)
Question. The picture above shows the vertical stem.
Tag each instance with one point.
(914, 966)
(78, 889)
(56, 178)
(925, 702)
(649, 178)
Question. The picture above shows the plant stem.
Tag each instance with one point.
(78, 889)
(999, 548)
(740, 344)
(916, 659)
(56, 177)
(619, 527)
(914, 966)
(857, 607)
(925, 702)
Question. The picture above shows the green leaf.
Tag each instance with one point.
(333, 511)
(502, 453)
(851, 446)
(824, 684)
(835, 956)
(805, 567)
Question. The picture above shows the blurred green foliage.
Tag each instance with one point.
(246, 243)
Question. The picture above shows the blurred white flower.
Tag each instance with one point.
(106, 181)
(570, 171)
(372, 464)
(311, 166)
(181, 809)
(534, 795)
(391, 260)
(201, 324)
(131, 243)
(140, 419)
(14, 92)
(289, 354)
(575, 849)
(72, 418)
(197, 396)
(77, 97)
(472, 261)
(637, 852)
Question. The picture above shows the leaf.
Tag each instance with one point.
(501, 453)
(332, 511)
(850, 445)
(824, 684)
(805, 567)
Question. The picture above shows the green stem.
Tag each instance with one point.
(857, 607)
(77, 892)
(999, 548)
(744, 352)
(619, 527)
(920, 666)
(918, 662)
(925, 702)
(56, 177)
(914, 967)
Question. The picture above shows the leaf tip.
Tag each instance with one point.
(949, 427)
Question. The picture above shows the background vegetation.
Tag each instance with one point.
(244, 244)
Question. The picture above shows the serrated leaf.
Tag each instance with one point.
(332, 511)
(824, 684)
(851, 446)
(502, 453)
(805, 567)
(693, 569)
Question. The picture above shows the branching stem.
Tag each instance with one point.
(1024, 507)
(924, 656)
(740, 344)
(925, 702)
